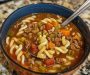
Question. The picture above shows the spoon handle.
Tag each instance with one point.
(76, 13)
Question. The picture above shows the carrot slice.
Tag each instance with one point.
(51, 45)
(65, 32)
(76, 37)
(54, 23)
(48, 26)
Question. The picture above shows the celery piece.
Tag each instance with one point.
(39, 33)
(10, 33)
(42, 68)
(57, 27)
(39, 24)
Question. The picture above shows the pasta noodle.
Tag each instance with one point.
(12, 48)
(46, 20)
(12, 42)
(62, 49)
(23, 59)
(24, 21)
(70, 57)
(43, 41)
(60, 20)
(33, 16)
(7, 40)
(42, 44)
(40, 53)
(15, 39)
(52, 70)
(48, 54)
(65, 42)
(57, 65)
(51, 51)
(29, 19)
(42, 56)
(53, 19)
(22, 28)
(79, 34)
(19, 33)
(18, 50)
(64, 60)
(42, 50)
(68, 63)
(19, 56)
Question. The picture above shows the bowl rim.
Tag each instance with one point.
(65, 71)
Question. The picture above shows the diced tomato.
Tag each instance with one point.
(48, 26)
(49, 62)
(34, 48)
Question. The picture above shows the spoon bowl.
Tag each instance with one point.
(76, 13)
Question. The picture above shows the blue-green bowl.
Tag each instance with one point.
(45, 8)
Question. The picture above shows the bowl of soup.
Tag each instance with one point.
(33, 39)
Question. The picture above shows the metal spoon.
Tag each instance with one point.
(76, 13)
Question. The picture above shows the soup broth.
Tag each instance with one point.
(43, 36)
